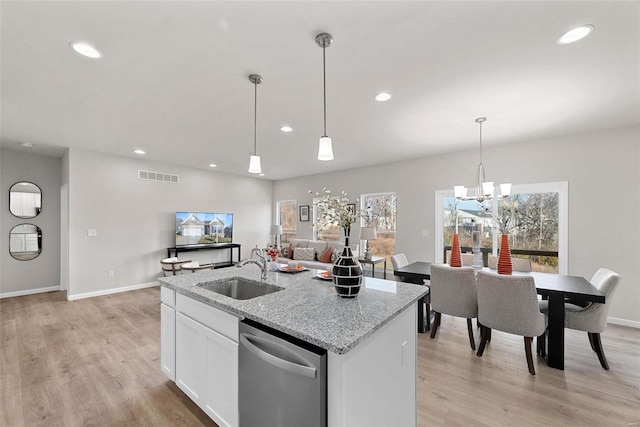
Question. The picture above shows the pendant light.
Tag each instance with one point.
(484, 190)
(254, 160)
(325, 148)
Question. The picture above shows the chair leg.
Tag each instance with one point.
(484, 333)
(436, 323)
(541, 344)
(472, 341)
(527, 350)
(597, 343)
(593, 347)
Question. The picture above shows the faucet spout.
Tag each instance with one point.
(260, 262)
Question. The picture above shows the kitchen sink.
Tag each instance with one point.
(240, 288)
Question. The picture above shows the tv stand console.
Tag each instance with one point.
(173, 252)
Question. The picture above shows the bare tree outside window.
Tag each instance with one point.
(381, 214)
(288, 212)
(532, 221)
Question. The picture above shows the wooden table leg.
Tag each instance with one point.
(555, 350)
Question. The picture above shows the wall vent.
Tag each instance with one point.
(159, 176)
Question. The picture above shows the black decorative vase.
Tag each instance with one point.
(347, 272)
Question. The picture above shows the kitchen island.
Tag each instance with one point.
(370, 341)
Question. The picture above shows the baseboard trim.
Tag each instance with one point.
(623, 322)
(29, 292)
(112, 291)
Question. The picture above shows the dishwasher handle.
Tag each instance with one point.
(263, 349)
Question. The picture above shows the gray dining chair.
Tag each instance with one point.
(453, 292)
(397, 261)
(400, 260)
(509, 304)
(591, 319)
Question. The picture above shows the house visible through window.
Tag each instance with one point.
(534, 216)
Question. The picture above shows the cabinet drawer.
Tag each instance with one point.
(168, 296)
(214, 318)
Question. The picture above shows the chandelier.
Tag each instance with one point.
(483, 189)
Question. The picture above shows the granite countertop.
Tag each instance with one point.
(307, 308)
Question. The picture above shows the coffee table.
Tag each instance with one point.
(373, 261)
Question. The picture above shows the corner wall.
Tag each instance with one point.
(43, 272)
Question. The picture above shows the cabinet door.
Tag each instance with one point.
(168, 341)
(190, 357)
(221, 396)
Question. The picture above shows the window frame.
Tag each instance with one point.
(560, 187)
(278, 214)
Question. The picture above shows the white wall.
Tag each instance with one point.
(603, 172)
(135, 219)
(42, 273)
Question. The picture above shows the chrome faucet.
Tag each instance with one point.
(260, 262)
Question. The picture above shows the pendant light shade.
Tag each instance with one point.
(254, 160)
(325, 149)
(325, 146)
(254, 164)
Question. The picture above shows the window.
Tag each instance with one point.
(535, 216)
(381, 212)
(288, 217)
(323, 230)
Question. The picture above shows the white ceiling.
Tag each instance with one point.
(173, 78)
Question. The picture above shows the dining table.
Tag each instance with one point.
(556, 288)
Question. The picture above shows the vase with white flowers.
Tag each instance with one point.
(339, 211)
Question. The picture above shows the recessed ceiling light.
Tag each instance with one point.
(26, 144)
(575, 34)
(85, 49)
(213, 165)
(286, 128)
(383, 96)
(139, 151)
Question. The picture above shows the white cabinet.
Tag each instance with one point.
(207, 358)
(190, 357)
(221, 377)
(168, 332)
(168, 341)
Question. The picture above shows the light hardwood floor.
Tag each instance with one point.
(95, 362)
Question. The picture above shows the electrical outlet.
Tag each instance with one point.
(92, 233)
(425, 233)
(110, 273)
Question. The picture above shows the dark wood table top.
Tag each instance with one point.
(575, 287)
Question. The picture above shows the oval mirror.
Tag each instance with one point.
(25, 200)
(25, 242)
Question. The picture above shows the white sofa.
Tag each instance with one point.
(319, 247)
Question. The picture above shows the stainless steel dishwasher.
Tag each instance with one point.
(282, 380)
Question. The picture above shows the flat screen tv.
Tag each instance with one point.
(203, 228)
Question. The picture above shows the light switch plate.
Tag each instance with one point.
(92, 233)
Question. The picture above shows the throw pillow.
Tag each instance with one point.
(326, 255)
(304, 254)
